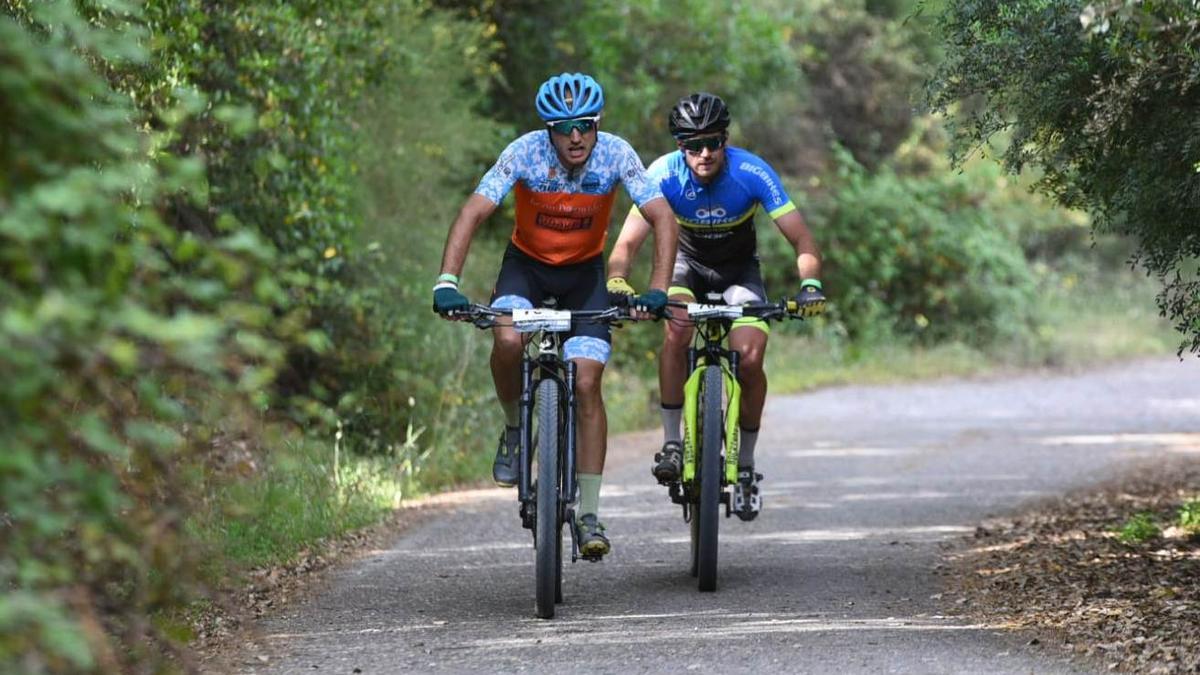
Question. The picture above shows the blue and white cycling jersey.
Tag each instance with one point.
(717, 219)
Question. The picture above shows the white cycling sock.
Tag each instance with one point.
(589, 494)
(672, 416)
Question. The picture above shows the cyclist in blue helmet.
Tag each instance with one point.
(565, 180)
(715, 190)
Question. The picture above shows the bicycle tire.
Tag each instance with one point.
(694, 527)
(709, 514)
(548, 538)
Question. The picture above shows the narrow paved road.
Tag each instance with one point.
(837, 575)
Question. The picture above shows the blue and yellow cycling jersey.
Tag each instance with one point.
(562, 216)
(717, 219)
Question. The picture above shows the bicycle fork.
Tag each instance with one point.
(697, 360)
(547, 368)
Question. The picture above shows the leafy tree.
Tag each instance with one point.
(1101, 99)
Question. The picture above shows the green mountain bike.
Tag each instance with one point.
(711, 398)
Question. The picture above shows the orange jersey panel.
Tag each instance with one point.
(560, 228)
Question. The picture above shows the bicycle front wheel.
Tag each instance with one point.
(548, 532)
(707, 517)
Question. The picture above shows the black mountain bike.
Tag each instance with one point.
(547, 419)
(711, 405)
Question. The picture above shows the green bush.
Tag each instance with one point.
(927, 257)
(123, 342)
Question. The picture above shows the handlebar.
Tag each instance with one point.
(768, 311)
(541, 319)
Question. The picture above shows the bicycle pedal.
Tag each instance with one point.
(747, 501)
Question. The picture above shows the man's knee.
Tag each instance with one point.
(507, 345)
(587, 382)
(750, 360)
(677, 337)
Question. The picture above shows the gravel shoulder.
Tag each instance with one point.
(1059, 568)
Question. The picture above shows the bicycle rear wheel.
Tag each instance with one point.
(706, 520)
(548, 533)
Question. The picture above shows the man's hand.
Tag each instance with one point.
(447, 299)
(653, 302)
(810, 301)
(620, 293)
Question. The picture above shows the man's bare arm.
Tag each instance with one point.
(666, 239)
(476, 210)
(808, 257)
(633, 233)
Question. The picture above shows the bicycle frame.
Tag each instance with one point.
(714, 324)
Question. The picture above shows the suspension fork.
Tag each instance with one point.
(526, 409)
(569, 482)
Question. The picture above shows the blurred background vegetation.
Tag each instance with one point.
(219, 223)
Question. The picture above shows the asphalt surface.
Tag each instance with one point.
(841, 572)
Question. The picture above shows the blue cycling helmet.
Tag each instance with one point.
(569, 95)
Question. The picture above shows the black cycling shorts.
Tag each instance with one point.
(701, 279)
(574, 286)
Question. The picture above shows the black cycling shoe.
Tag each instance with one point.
(668, 463)
(504, 467)
(747, 502)
(593, 545)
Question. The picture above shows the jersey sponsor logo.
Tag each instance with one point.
(591, 184)
(776, 194)
(705, 214)
(548, 186)
(690, 195)
(563, 223)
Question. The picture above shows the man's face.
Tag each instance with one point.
(574, 139)
(705, 155)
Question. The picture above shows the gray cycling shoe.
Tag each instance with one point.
(504, 467)
(747, 501)
(668, 463)
(593, 545)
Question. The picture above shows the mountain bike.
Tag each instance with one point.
(711, 405)
(547, 423)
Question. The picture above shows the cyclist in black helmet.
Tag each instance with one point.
(715, 190)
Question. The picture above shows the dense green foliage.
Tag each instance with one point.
(1100, 98)
(122, 340)
(931, 256)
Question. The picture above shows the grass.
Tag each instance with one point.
(1140, 527)
(293, 500)
(1084, 323)
(1189, 515)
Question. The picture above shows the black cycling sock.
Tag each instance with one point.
(746, 448)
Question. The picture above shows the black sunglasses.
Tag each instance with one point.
(698, 145)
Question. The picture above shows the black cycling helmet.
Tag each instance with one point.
(698, 114)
